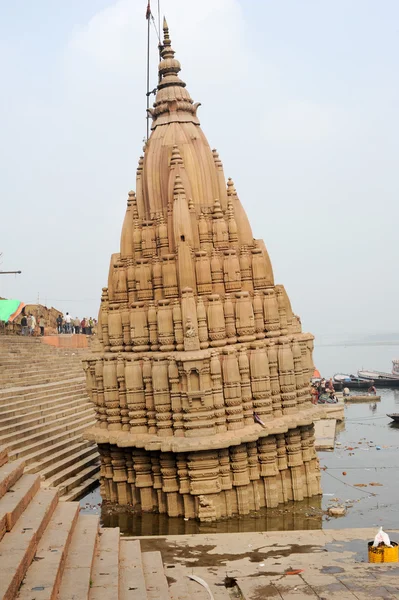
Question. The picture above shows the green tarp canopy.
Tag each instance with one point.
(10, 309)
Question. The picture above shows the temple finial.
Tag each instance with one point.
(172, 102)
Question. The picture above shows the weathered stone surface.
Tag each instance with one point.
(201, 378)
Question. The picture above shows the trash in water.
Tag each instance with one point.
(378, 447)
(294, 572)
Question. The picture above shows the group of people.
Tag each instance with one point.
(28, 324)
(68, 324)
(323, 392)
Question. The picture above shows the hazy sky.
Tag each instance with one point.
(300, 97)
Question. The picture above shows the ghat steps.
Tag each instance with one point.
(44, 410)
(50, 550)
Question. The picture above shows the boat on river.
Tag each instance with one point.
(394, 417)
(380, 378)
(351, 381)
(362, 398)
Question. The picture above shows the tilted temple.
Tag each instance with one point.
(200, 380)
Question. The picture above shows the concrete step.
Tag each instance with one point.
(57, 453)
(77, 577)
(39, 390)
(9, 474)
(15, 406)
(105, 577)
(7, 383)
(59, 409)
(131, 574)
(76, 454)
(16, 438)
(43, 578)
(77, 480)
(155, 579)
(16, 499)
(32, 451)
(77, 492)
(18, 547)
(63, 476)
(3, 456)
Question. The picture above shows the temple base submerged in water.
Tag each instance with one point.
(201, 378)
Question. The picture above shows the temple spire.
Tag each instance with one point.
(173, 102)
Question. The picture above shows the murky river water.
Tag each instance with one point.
(366, 428)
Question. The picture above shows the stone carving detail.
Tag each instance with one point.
(196, 344)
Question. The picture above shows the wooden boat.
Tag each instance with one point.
(380, 378)
(394, 417)
(350, 381)
(362, 398)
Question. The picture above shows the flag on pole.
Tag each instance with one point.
(148, 11)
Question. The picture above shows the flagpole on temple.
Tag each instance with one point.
(147, 16)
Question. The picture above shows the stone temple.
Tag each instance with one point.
(200, 378)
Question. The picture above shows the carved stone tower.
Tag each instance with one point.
(201, 379)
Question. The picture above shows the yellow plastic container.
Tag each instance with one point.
(382, 553)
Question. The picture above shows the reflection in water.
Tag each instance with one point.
(287, 517)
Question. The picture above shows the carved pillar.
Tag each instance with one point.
(160, 385)
(135, 397)
(217, 273)
(111, 395)
(240, 472)
(217, 392)
(286, 377)
(295, 463)
(169, 276)
(268, 469)
(139, 327)
(274, 381)
(120, 374)
(231, 271)
(216, 322)
(245, 321)
(246, 270)
(272, 317)
(175, 398)
(202, 324)
(229, 316)
(232, 390)
(149, 395)
(203, 272)
(260, 383)
(165, 326)
(144, 483)
(246, 392)
(178, 325)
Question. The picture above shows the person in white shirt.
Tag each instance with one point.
(68, 320)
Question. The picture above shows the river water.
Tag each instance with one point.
(366, 452)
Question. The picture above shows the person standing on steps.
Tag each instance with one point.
(59, 324)
(76, 324)
(68, 320)
(83, 326)
(31, 324)
(24, 325)
(41, 325)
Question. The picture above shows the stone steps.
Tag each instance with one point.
(105, 578)
(43, 577)
(58, 470)
(57, 453)
(16, 500)
(44, 411)
(77, 577)
(18, 547)
(29, 431)
(17, 422)
(18, 411)
(79, 475)
(39, 391)
(31, 452)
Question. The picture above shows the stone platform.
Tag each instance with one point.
(325, 564)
